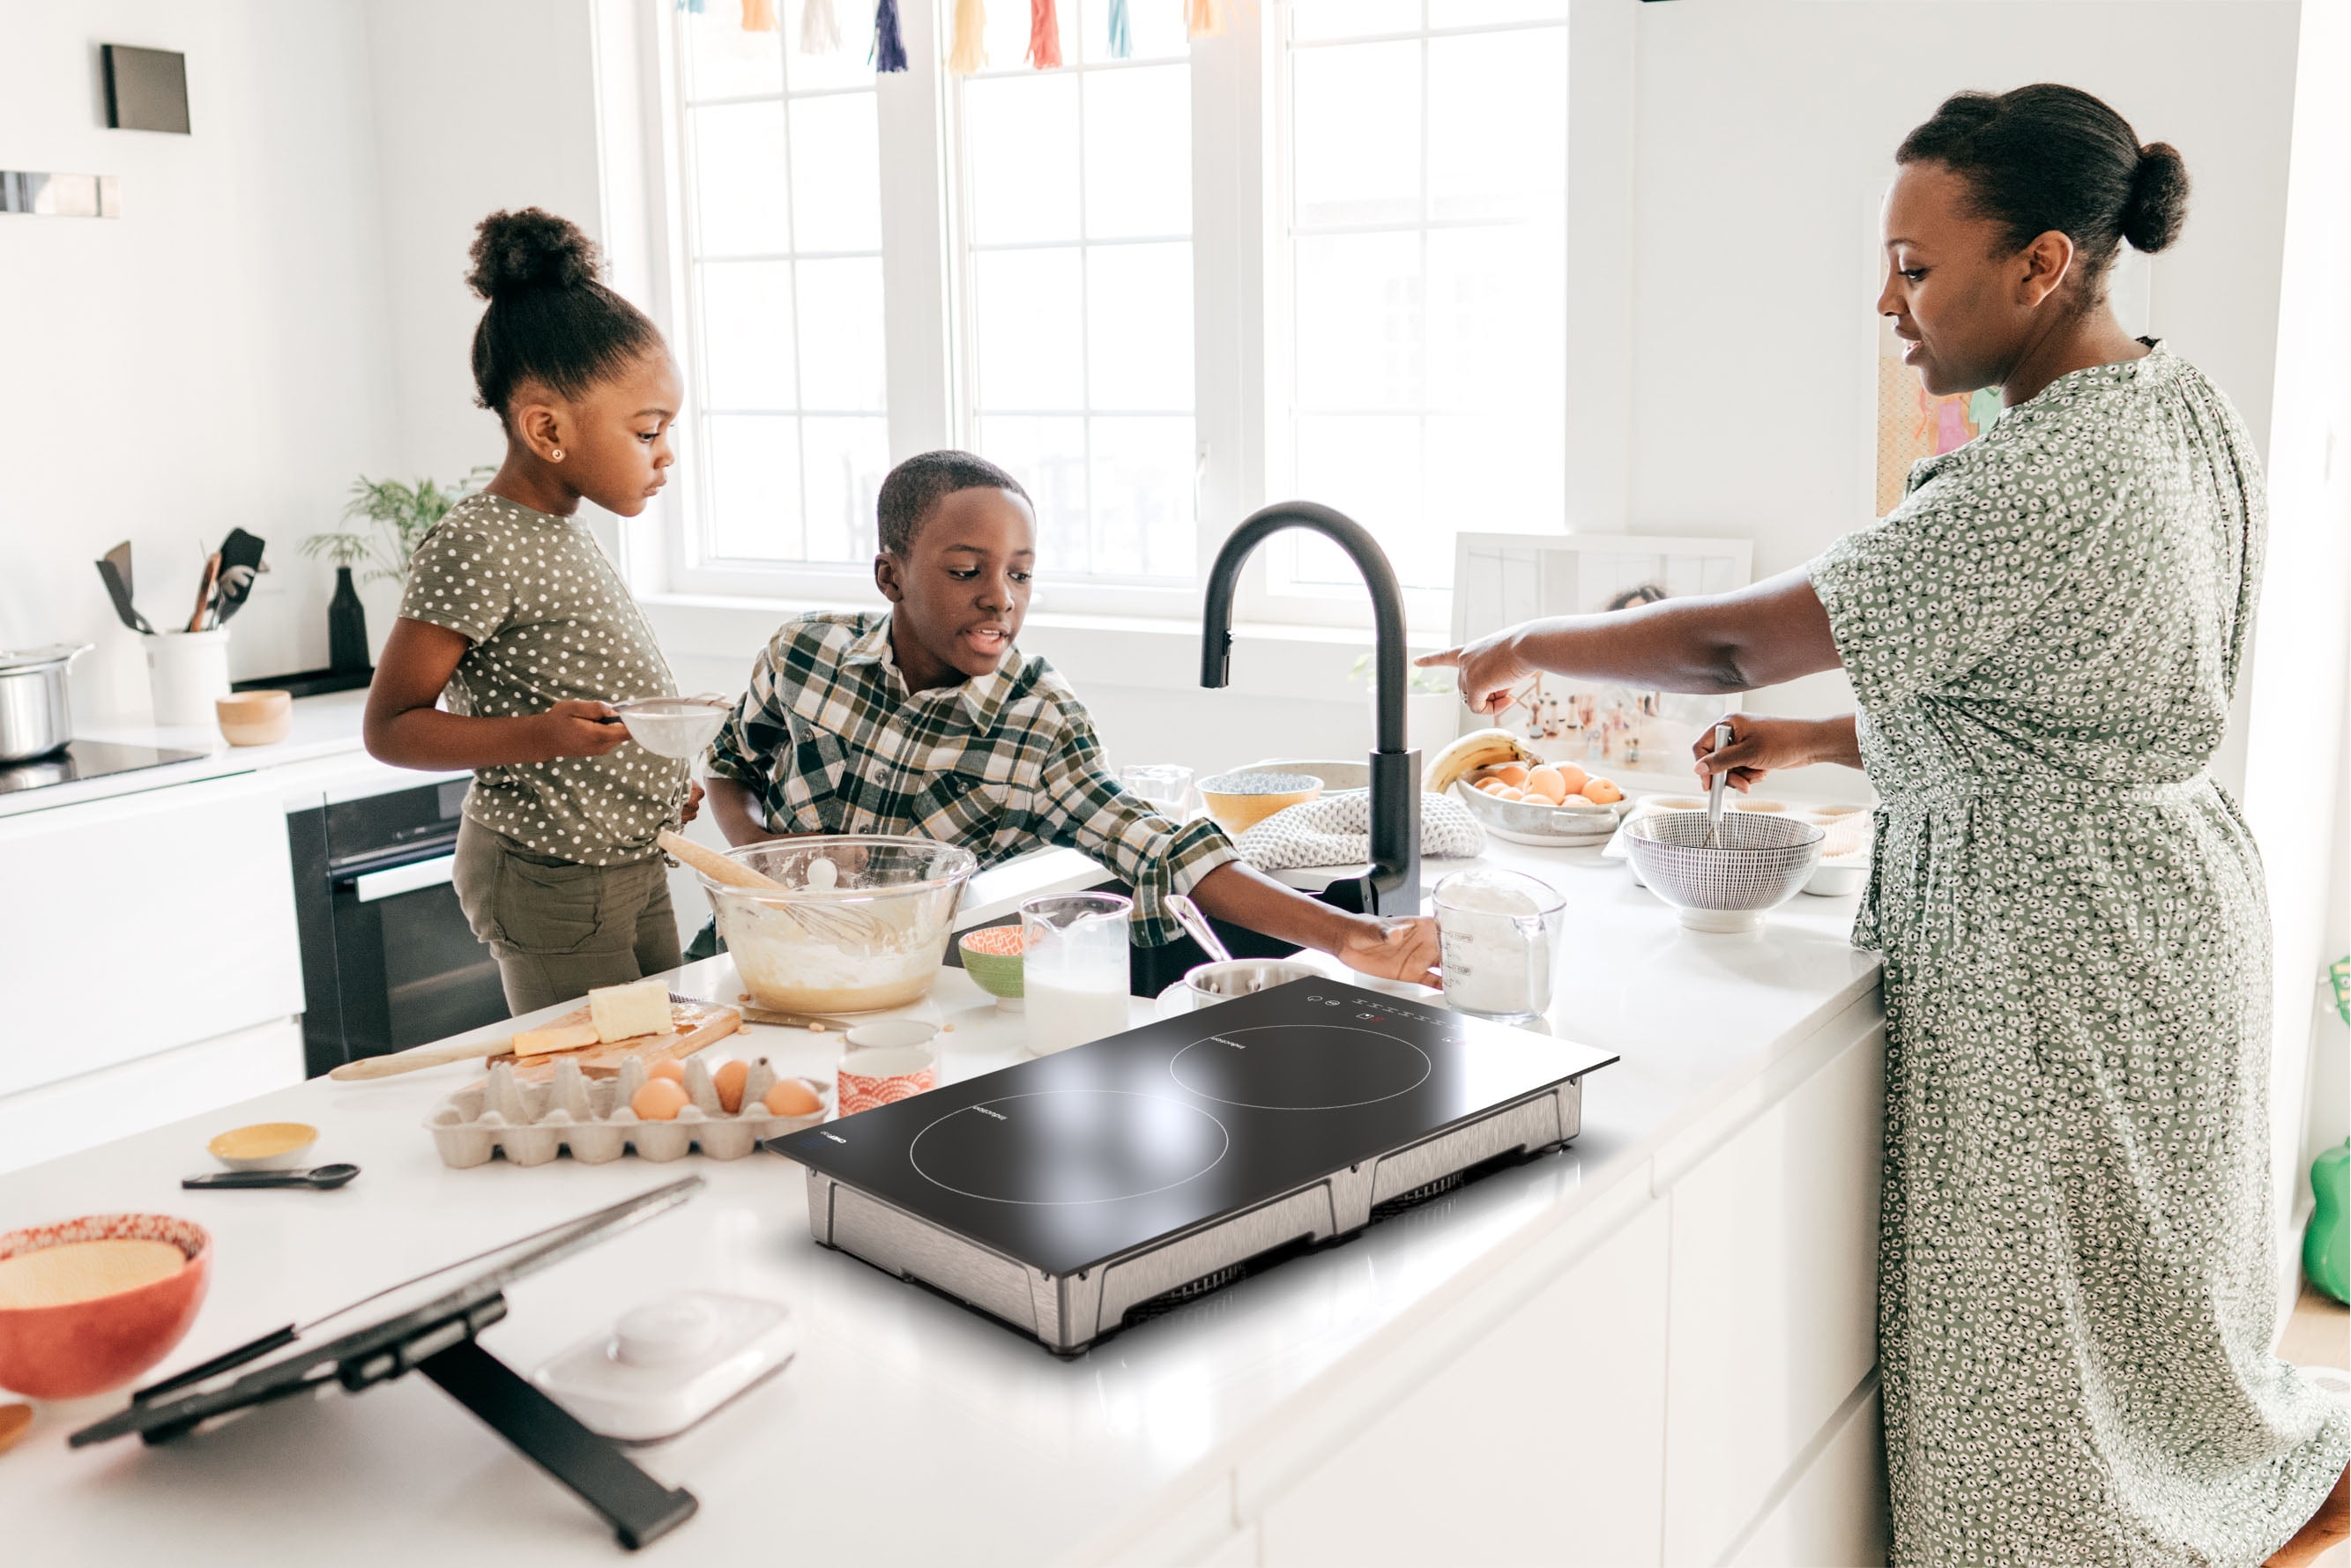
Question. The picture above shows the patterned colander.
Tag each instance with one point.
(1760, 863)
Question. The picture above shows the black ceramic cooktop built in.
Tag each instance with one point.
(1072, 1159)
(79, 759)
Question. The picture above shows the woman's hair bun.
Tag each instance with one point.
(529, 249)
(2157, 205)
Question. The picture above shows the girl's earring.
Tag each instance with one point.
(557, 454)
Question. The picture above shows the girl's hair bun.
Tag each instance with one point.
(2157, 205)
(529, 249)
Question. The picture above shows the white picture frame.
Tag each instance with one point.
(1616, 731)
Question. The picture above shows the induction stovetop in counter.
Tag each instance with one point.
(1061, 1194)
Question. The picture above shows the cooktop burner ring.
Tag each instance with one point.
(1192, 1167)
(1394, 1074)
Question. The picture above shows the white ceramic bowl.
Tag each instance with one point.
(1761, 860)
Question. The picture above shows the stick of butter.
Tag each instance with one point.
(625, 1012)
(564, 1037)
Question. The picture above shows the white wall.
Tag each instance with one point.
(215, 357)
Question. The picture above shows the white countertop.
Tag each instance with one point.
(909, 1429)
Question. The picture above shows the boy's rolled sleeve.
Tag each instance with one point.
(1089, 810)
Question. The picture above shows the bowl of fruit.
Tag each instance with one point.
(1517, 796)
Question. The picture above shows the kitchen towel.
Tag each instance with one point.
(1337, 831)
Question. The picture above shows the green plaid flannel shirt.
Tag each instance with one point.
(831, 741)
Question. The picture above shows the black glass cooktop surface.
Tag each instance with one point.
(79, 759)
(1072, 1159)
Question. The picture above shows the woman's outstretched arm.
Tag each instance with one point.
(1759, 636)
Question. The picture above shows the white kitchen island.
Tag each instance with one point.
(1655, 1345)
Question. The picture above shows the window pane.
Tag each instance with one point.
(842, 365)
(722, 60)
(1048, 458)
(836, 173)
(747, 334)
(1356, 133)
(852, 65)
(1485, 13)
(1359, 321)
(738, 179)
(1369, 467)
(1154, 31)
(1503, 473)
(754, 486)
(1143, 509)
(1022, 158)
(1492, 91)
(1031, 347)
(1138, 152)
(1139, 327)
(842, 463)
(1492, 292)
(1352, 19)
(1005, 36)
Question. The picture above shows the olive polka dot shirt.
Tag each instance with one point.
(549, 621)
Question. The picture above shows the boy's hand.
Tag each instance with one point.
(574, 727)
(1393, 949)
(693, 807)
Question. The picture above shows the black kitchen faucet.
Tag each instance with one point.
(1392, 887)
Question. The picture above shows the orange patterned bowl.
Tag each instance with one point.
(79, 1348)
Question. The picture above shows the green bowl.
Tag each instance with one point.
(998, 973)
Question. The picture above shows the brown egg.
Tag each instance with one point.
(1546, 784)
(729, 1081)
(1492, 785)
(672, 1070)
(790, 1097)
(1572, 778)
(1512, 773)
(659, 1101)
(1507, 793)
(1601, 792)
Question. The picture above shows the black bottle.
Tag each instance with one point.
(347, 642)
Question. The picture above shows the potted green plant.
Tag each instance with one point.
(396, 518)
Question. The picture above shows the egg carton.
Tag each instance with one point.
(589, 1117)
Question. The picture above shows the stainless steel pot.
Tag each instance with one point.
(36, 719)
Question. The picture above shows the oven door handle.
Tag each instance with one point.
(396, 880)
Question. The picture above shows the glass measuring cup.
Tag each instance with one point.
(1073, 971)
(1502, 933)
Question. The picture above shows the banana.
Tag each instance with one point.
(1479, 748)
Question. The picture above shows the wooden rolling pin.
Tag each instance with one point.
(716, 866)
(418, 1057)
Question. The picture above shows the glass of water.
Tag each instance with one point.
(1166, 785)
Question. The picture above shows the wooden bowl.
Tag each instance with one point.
(79, 1348)
(255, 718)
(1239, 801)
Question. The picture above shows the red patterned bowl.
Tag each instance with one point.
(81, 1348)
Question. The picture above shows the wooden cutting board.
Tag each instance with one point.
(696, 1024)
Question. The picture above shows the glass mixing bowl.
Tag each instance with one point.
(860, 922)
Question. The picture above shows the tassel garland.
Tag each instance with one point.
(1203, 18)
(759, 15)
(690, 7)
(1122, 43)
(969, 51)
(820, 28)
(889, 49)
(1044, 36)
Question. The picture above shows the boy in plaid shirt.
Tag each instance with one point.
(926, 720)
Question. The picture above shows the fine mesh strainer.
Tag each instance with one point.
(1763, 860)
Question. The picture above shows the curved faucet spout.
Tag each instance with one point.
(1393, 886)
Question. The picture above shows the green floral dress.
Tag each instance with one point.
(2077, 1291)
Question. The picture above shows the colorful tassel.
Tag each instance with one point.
(759, 15)
(692, 7)
(820, 28)
(1044, 36)
(1203, 18)
(889, 49)
(971, 52)
(1122, 43)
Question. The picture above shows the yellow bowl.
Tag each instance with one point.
(1239, 801)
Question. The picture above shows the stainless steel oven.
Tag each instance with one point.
(388, 960)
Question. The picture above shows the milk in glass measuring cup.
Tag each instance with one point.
(1502, 933)
(1073, 968)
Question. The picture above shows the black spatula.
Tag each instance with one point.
(114, 569)
(240, 563)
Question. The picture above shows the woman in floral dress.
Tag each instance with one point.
(2076, 1290)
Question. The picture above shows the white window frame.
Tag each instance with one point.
(1240, 290)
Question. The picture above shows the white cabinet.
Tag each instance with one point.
(1833, 1516)
(134, 926)
(1773, 1318)
(1540, 1443)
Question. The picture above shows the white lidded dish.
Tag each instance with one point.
(669, 1363)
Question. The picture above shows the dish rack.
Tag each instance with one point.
(590, 1119)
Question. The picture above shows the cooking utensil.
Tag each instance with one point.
(676, 727)
(1714, 791)
(883, 903)
(114, 570)
(1762, 861)
(204, 591)
(796, 1020)
(695, 1025)
(36, 714)
(1502, 934)
(240, 556)
(839, 926)
(1196, 925)
(1209, 984)
(320, 1177)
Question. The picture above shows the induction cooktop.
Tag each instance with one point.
(79, 759)
(1066, 1195)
